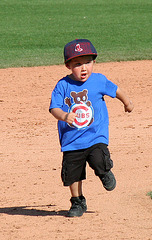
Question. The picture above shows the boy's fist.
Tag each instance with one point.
(70, 117)
(129, 107)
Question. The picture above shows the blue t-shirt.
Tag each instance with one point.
(86, 100)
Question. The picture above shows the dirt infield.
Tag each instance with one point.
(33, 202)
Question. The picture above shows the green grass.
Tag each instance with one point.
(150, 194)
(34, 32)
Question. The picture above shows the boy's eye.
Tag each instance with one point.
(78, 64)
(88, 62)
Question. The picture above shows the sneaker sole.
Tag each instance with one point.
(74, 215)
(112, 187)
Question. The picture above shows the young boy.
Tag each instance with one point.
(78, 104)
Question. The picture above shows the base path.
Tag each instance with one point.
(33, 202)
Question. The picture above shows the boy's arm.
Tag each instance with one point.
(128, 105)
(63, 116)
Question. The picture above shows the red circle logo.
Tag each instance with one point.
(84, 115)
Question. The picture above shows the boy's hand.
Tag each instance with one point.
(63, 116)
(70, 117)
(129, 107)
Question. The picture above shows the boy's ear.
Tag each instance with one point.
(67, 65)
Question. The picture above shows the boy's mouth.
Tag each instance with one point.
(83, 75)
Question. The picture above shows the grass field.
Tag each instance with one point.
(34, 32)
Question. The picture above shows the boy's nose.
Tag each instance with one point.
(83, 67)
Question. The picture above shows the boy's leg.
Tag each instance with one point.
(99, 160)
(78, 201)
(73, 172)
(76, 189)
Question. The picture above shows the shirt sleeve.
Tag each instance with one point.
(57, 98)
(110, 88)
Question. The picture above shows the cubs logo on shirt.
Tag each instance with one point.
(84, 115)
(82, 107)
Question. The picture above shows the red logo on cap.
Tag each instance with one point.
(78, 48)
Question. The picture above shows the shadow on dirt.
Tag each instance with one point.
(33, 211)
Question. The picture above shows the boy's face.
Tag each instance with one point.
(81, 68)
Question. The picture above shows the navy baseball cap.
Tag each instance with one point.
(77, 48)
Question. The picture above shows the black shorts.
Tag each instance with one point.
(74, 163)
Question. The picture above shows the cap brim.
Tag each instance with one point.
(81, 55)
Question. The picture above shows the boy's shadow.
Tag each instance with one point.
(32, 211)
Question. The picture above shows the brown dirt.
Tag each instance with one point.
(33, 202)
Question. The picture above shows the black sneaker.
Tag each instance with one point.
(108, 181)
(76, 209)
(83, 203)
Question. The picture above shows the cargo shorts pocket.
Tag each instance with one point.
(63, 172)
(108, 163)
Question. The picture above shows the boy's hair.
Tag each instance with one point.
(77, 48)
